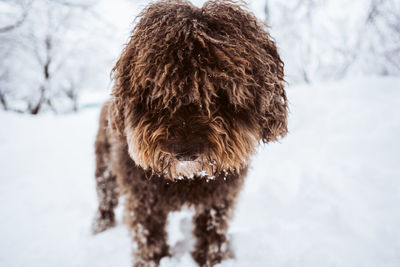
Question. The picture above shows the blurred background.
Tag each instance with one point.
(325, 195)
(55, 52)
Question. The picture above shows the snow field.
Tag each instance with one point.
(326, 195)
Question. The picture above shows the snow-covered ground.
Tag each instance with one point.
(326, 195)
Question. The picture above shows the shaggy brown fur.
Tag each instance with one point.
(196, 90)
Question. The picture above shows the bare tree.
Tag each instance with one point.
(324, 39)
(23, 7)
(46, 56)
(3, 100)
(383, 31)
(266, 11)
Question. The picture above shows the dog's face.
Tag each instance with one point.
(190, 142)
(196, 89)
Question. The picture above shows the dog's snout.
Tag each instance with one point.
(186, 152)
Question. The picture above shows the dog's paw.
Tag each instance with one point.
(102, 222)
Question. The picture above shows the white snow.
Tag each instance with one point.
(327, 195)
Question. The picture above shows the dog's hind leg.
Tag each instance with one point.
(106, 183)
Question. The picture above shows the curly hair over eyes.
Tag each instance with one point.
(180, 54)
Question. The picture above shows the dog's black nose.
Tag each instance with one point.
(186, 152)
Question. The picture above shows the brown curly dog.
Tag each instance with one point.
(196, 90)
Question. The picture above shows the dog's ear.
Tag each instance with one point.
(258, 66)
(272, 103)
(121, 92)
(116, 116)
(273, 119)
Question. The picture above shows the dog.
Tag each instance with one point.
(196, 90)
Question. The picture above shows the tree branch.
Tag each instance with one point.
(19, 22)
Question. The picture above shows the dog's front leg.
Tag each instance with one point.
(211, 224)
(148, 224)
